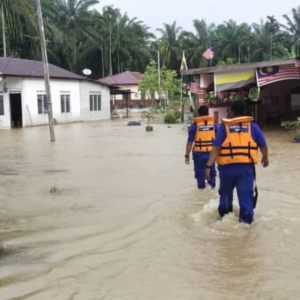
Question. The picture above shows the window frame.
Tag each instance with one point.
(44, 105)
(95, 100)
(2, 111)
(65, 103)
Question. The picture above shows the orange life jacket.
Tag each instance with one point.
(239, 146)
(205, 134)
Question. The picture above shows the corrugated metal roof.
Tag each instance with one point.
(240, 67)
(125, 78)
(31, 68)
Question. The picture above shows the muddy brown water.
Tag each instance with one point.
(124, 220)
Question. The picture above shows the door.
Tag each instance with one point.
(16, 110)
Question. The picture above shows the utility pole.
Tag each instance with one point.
(3, 32)
(46, 70)
(159, 77)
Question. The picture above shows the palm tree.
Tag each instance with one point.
(293, 27)
(263, 42)
(19, 23)
(273, 28)
(234, 40)
(169, 45)
(72, 18)
(196, 44)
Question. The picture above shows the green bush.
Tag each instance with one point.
(172, 117)
(293, 126)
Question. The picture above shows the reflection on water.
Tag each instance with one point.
(124, 220)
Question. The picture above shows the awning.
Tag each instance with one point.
(231, 81)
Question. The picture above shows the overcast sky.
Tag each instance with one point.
(156, 12)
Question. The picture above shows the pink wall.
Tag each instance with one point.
(222, 112)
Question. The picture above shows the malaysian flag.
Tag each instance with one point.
(208, 53)
(194, 88)
(268, 75)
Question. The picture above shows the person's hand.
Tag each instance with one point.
(207, 174)
(187, 160)
(265, 162)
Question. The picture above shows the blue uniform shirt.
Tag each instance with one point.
(191, 138)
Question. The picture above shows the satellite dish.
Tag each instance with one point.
(87, 72)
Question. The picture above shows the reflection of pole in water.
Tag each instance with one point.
(46, 69)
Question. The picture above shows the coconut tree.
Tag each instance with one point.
(196, 44)
(293, 27)
(169, 45)
(72, 19)
(19, 23)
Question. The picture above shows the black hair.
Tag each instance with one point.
(239, 108)
(203, 111)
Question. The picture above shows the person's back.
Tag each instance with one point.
(201, 136)
(236, 147)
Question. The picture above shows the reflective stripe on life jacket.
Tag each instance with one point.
(205, 134)
(239, 146)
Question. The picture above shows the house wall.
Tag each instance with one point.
(30, 88)
(12, 85)
(219, 112)
(88, 88)
(135, 93)
(34, 87)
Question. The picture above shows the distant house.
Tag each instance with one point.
(23, 98)
(126, 81)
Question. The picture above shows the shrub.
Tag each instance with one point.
(172, 117)
(293, 126)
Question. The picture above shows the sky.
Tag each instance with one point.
(156, 12)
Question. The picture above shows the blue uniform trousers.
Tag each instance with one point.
(199, 167)
(241, 177)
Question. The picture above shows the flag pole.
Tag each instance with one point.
(159, 78)
(181, 99)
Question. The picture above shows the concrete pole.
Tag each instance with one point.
(46, 70)
(159, 77)
(3, 32)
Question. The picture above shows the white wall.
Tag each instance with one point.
(87, 88)
(34, 87)
(135, 93)
(30, 88)
(11, 84)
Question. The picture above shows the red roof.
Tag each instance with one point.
(31, 68)
(125, 78)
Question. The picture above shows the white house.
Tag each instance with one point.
(23, 98)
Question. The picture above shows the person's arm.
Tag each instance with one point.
(190, 142)
(217, 143)
(189, 147)
(212, 158)
(259, 138)
(265, 157)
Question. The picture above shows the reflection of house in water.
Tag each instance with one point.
(278, 82)
(23, 99)
(127, 81)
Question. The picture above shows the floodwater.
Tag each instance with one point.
(124, 220)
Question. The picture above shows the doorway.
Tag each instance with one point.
(16, 110)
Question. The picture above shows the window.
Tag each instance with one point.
(1, 106)
(95, 102)
(42, 104)
(65, 103)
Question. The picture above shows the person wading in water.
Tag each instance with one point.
(236, 149)
(201, 135)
